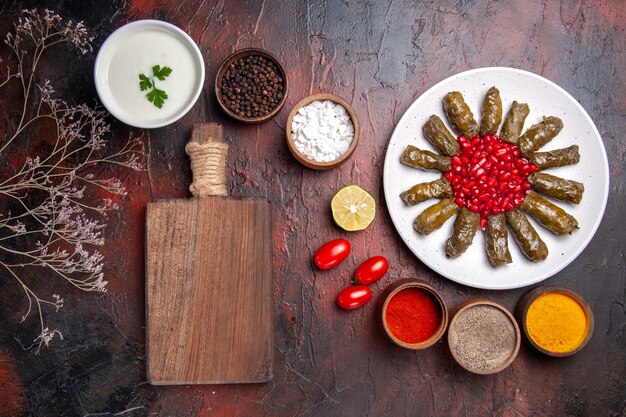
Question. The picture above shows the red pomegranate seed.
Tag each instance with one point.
(489, 176)
(520, 163)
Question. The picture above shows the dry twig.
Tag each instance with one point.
(49, 225)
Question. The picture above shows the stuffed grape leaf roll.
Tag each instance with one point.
(514, 122)
(549, 215)
(465, 227)
(418, 158)
(459, 115)
(435, 216)
(539, 134)
(526, 236)
(492, 113)
(565, 190)
(440, 188)
(440, 137)
(555, 158)
(497, 236)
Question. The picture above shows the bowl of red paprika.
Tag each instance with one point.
(413, 314)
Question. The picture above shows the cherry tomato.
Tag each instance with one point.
(371, 270)
(332, 253)
(354, 297)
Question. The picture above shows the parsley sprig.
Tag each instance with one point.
(155, 96)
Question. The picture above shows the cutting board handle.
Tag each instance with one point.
(208, 160)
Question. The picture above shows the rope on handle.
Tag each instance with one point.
(208, 165)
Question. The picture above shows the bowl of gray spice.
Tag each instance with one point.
(251, 86)
(483, 337)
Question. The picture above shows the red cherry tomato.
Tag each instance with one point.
(371, 270)
(332, 253)
(354, 297)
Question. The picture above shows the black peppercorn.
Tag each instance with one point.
(252, 87)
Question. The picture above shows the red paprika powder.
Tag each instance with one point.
(413, 315)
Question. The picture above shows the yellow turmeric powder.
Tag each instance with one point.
(557, 322)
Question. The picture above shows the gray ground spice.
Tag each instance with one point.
(482, 337)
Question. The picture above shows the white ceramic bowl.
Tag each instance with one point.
(146, 114)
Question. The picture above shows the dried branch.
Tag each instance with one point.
(46, 194)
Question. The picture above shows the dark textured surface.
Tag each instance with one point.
(380, 56)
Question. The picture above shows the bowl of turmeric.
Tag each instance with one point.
(555, 320)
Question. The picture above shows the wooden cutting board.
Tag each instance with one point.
(208, 279)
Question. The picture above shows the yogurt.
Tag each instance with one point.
(135, 49)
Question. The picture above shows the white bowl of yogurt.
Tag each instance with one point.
(149, 73)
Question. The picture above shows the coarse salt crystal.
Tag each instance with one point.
(322, 130)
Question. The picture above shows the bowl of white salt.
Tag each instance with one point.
(322, 131)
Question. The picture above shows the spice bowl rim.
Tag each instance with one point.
(300, 157)
(529, 297)
(104, 56)
(403, 284)
(220, 75)
(485, 301)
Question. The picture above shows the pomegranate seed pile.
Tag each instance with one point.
(489, 176)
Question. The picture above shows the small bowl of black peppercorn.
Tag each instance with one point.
(251, 86)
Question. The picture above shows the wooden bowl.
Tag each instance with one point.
(304, 160)
(403, 284)
(452, 333)
(527, 299)
(220, 75)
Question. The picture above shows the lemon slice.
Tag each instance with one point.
(353, 208)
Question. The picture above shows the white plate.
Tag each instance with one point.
(544, 98)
